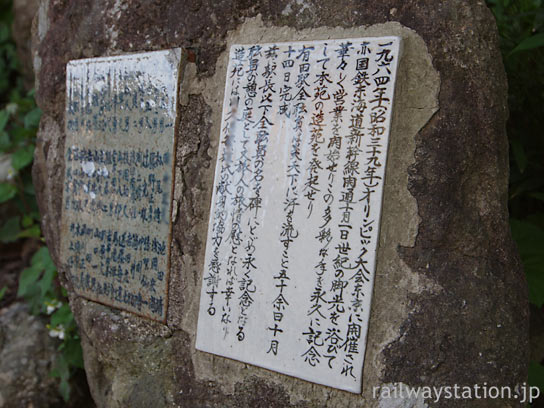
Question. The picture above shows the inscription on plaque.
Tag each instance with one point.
(294, 221)
(119, 155)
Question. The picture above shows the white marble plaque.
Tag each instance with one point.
(119, 155)
(295, 214)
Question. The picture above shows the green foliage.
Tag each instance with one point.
(22, 157)
(530, 240)
(8, 57)
(35, 282)
(71, 356)
(37, 285)
(19, 119)
(7, 192)
(10, 230)
(521, 30)
(536, 375)
(534, 41)
(3, 292)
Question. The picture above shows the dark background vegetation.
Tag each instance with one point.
(521, 30)
(28, 274)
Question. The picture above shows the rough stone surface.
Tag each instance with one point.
(450, 299)
(27, 354)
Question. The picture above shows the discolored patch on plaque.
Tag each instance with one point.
(295, 215)
(119, 153)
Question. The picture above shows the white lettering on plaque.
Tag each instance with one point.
(294, 221)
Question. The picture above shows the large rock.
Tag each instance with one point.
(450, 300)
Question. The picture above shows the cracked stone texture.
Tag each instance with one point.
(450, 299)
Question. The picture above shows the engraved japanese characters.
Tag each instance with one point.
(294, 220)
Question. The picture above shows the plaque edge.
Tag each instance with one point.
(179, 64)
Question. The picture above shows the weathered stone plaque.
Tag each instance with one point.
(294, 221)
(119, 155)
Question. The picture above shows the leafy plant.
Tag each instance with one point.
(62, 322)
(37, 287)
(19, 119)
(36, 282)
(18, 124)
(521, 30)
